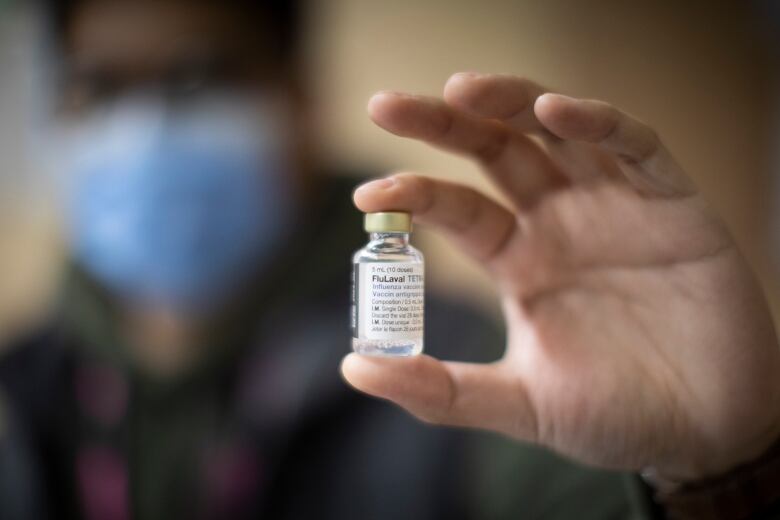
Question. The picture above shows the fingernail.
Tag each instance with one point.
(392, 93)
(562, 97)
(377, 184)
(469, 74)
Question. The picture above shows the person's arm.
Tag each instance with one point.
(637, 336)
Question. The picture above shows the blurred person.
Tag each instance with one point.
(191, 369)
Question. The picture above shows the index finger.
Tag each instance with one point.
(481, 226)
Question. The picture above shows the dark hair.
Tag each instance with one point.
(285, 17)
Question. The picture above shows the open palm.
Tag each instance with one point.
(637, 336)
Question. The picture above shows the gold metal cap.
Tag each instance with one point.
(388, 222)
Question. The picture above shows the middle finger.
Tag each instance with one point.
(518, 165)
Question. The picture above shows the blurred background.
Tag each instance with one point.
(171, 411)
(701, 73)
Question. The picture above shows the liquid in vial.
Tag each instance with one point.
(388, 289)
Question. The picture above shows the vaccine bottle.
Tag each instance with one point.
(388, 289)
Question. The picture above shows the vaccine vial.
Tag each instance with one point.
(388, 289)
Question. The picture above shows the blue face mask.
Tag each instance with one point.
(177, 207)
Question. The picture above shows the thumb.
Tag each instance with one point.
(483, 396)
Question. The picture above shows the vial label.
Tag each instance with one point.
(388, 299)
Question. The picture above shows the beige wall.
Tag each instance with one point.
(688, 68)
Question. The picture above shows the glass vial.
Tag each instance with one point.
(388, 289)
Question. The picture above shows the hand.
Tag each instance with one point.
(637, 336)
